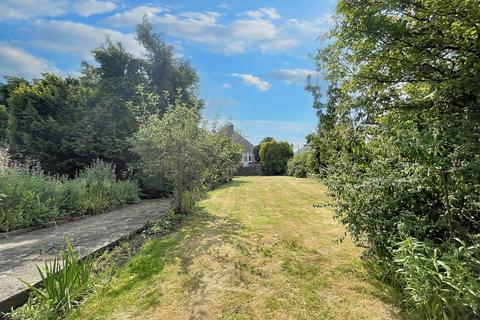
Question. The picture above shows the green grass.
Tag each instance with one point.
(256, 248)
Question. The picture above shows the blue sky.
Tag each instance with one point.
(252, 56)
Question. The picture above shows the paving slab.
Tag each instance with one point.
(21, 252)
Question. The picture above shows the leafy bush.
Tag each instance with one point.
(64, 283)
(298, 165)
(274, 156)
(441, 281)
(222, 159)
(30, 197)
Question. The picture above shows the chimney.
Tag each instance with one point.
(229, 131)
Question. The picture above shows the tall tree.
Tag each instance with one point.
(407, 72)
(41, 115)
(164, 72)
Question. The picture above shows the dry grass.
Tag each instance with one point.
(256, 249)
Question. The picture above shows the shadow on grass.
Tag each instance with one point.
(384, 291)
(236, 182)
(198, 236)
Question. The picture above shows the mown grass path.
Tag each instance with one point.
(256, 249)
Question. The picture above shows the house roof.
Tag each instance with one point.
(229, 131)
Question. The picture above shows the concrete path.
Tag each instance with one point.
(21, 252)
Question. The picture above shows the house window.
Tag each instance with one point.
(250, 158)
(245, 158)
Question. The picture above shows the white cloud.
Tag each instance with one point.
(278, 44)
(203, 27)
(133, 16)
(317, 26)
(251, 80)
(18, 62)
(254, 29)
(208, 18)
(253, 14)
(87, 8)
(292, 76)
(269, 13)
(78, 39)
(234, 38)
(226, 85)
(25, 9)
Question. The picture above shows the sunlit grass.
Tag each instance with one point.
(255, 249)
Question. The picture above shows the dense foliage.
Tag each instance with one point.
(274, 156)
(29, 197)
(67, 123)
(190, 156)
(399, 142)
(256, 149)
(298, 166)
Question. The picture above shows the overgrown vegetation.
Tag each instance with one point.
(29, 197)
(399, 143)
(298, 165)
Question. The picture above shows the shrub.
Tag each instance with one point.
(274, 156)
(298, 165)
(30, 197)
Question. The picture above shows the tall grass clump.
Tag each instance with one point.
(30, 197)
(65, 281)
(440, 281)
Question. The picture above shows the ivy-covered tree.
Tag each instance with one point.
(407, 75)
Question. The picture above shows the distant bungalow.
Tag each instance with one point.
(247, 159)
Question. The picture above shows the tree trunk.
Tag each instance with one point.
(178, 200)
(447, 201)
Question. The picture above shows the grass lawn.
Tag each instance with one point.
(255, 249)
